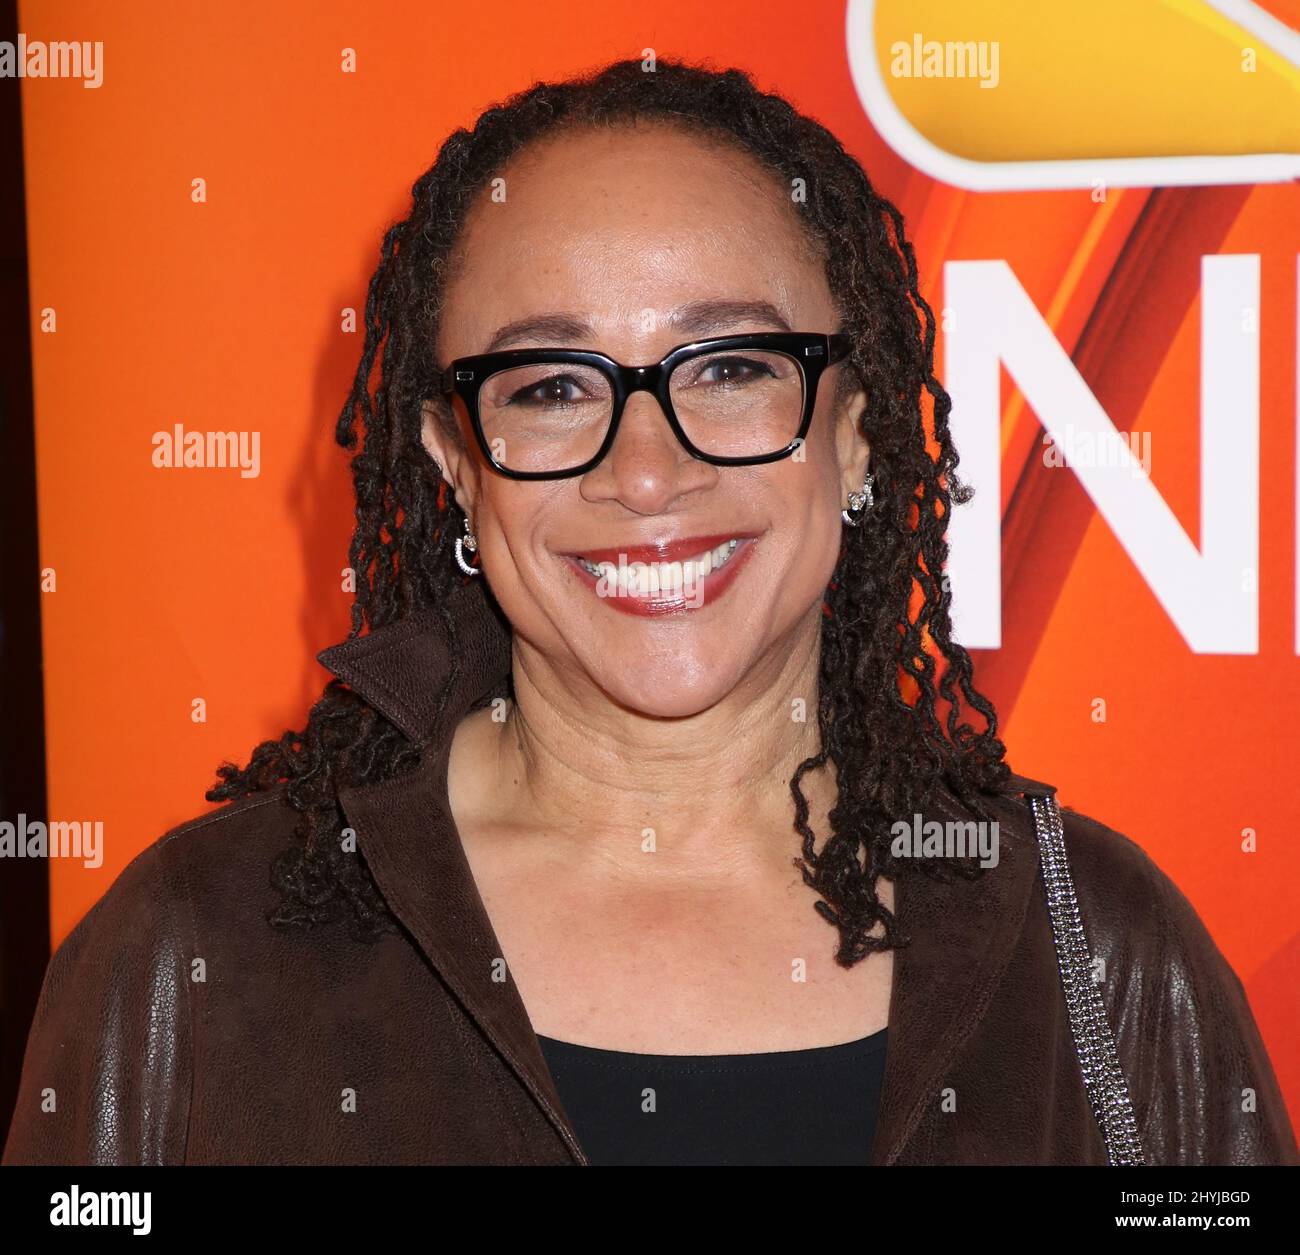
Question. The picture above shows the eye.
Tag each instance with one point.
(553, 390)
(727, 370)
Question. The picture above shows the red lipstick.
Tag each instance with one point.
(691, 594)
(659, 551)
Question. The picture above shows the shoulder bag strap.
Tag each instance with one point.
(1102, 1076)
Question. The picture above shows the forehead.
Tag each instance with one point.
(621, 223)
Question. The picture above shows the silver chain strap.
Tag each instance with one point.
(1102, 1075)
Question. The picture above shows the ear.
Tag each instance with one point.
(851, 446)
(443, 446)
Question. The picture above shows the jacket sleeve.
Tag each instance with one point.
(107, 1073)
(1216, 1099)
(1203, 1088)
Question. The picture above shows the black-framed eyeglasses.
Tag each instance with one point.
(731, 400)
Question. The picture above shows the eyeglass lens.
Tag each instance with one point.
(551, 416)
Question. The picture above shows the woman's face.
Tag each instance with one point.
(619, 237)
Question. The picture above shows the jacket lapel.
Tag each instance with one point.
(405, 828)
(962, 933)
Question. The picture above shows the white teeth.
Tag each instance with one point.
(661, 579)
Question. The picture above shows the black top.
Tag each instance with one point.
(779, 1107)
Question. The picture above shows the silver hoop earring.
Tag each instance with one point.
(859, 503)
(463, 543)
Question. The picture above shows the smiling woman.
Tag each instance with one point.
(587, 853)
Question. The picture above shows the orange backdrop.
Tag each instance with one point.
(228, 315)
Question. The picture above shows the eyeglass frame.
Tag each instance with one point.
(812, 352)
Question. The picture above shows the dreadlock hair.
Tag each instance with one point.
(888, 663)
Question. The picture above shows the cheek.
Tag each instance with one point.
(805, 512)
(811, 490)
(513, 520)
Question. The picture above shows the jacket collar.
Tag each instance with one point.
(403, 669)
(962, 933)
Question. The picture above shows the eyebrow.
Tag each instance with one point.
(696, 318)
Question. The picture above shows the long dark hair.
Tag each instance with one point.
(893, 685)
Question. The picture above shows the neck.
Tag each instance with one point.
(713, 787)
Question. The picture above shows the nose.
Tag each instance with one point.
(647, 468)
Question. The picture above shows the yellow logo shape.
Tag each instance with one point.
(995, 94)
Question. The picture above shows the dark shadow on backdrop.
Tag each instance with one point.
(24, 883)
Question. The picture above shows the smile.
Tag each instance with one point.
(650, 579)
(670, 578)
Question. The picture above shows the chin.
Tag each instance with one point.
(670, 704)
(667, 687)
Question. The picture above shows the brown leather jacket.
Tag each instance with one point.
(176, 1026)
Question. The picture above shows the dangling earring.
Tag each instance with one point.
(466, 542)
(859, 503)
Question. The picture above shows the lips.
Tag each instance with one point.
(669, 577)
(661, 551)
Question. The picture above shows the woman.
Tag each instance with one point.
(596, 848)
